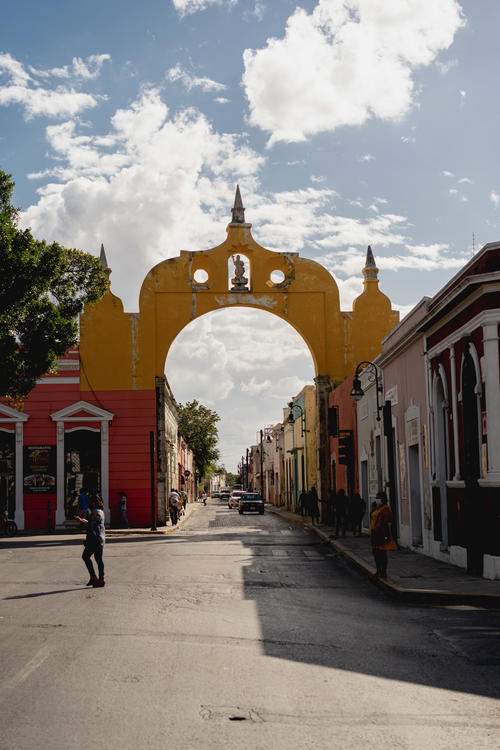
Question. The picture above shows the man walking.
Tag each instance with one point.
(174, 503)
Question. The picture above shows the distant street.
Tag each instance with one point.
(238, 632)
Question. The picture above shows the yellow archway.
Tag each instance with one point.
(127, 351)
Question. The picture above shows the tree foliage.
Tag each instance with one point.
(198, 426)
(43, 288)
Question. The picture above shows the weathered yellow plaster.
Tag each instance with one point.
(125, 351)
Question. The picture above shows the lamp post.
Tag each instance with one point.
(357, 393)
(303, 434)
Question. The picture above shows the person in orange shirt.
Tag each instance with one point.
(380, 533)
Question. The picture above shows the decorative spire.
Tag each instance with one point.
(370, 271)
(370, 260)
(104, 260)
(238, 211)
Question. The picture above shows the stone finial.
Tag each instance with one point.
(370, 271)
(370, 260)
(104, 260)
(238, 212)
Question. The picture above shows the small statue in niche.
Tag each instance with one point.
(239, 281)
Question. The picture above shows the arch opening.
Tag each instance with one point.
(245, 364)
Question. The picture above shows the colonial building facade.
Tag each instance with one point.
(440, 372)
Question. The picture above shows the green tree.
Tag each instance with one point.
(198, 426)
(43, 288)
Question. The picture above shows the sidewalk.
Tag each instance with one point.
(413, 577)
(190, 509)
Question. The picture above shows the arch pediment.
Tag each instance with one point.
(82, 411)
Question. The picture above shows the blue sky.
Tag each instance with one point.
(345, 122)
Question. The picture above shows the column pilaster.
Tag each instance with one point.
(492, 393)
(454, 411)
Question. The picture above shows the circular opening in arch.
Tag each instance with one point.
(277, 277)
(200, 276)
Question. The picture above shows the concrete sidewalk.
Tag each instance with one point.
(413, 577)
(190, 509)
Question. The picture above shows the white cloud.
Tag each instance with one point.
(24, 88)
(176, 73)
(408, 139)
(366, 157)
(381, 230)
(446, 173)
(186, 7)
(176, 173)
(221, 100)
(255, 387)
(418, 257)
(495, 198)
(317, 178)
(258, 11)
(445, 67)
(465, 180)
(344, 63)
(87, 69)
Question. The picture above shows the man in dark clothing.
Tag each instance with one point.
(330, 508)
(313, 505)
(303, 503)
(341, 508)
(358, 508)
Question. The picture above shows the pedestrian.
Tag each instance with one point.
(303, 503)
(330, 508)
(123, 511)
(341, 509)
(94, 541)
(184, 499)
(174, 503)
(313, 505)
(358, 508)
(380, 533)
(83, 504)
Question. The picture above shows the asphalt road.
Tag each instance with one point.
(237, 632)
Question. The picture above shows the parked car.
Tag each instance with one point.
(250, 501)
(234, 498)
(225, 495)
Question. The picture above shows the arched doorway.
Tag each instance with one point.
(247, 364)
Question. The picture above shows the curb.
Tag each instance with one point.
(162, 530)
(404, 595)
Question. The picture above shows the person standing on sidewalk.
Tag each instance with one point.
(313, 505)
(174, 502)
(303, 503)
(358, 508)
(122, 509)
(94, 541)
(341, 505)
(380, 533)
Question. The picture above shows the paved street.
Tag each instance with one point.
(239, 632)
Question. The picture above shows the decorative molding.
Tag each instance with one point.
(58, 381)
(71, 413)
(481, 319)
(8, 414)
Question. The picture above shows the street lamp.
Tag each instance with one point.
(291, 417)
(357, 392)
